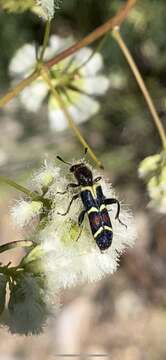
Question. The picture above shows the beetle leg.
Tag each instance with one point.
(115, 201)
(72, 185)
(80, 232)
(81, 217)
(80, 221)
(71, 201)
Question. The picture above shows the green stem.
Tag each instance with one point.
(21, 188)
(45, 40)
(16, 244)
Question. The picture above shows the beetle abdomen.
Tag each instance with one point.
(104, 239)
(100, 223)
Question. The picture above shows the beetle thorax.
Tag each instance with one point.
(83, 174)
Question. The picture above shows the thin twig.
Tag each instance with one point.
(116, 34)
(69, 118)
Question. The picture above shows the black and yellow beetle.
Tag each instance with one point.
(95, 204)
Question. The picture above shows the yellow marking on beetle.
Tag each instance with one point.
(98, 231)
(108, 228)
(102, 207)
(92, 209)
(92, 189)
(101, 229)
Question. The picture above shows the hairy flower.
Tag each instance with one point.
(153, 170)
(65, 254)
(25, 211)
(44, 177)
(76, 79)
(71, 255)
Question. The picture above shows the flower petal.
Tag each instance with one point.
(33, 96)
(56, 45)
(57, 119)
(85, 108)
(23, 61)
(97, 85)
(80, 111)
(83, 55)
(93, 65)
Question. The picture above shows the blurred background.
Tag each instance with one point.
(125, 314)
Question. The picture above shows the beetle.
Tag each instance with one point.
(95, 204)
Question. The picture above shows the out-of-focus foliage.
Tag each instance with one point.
(16, 6)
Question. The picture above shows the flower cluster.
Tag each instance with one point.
(76, 79)
(153, 170)
(63, 254)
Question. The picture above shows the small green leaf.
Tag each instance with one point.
(3, 283)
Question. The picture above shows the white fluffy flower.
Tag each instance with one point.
(153, 170)
(45, 176)
(68, 254)
(68, 260)
(24, 211)
(76, 78)
(30, 305)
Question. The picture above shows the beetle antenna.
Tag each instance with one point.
(65, 162)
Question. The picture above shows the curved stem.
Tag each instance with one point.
(96, 34)
(116, 34)
(16, 244)
(69, 118)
